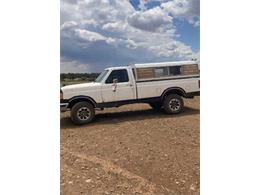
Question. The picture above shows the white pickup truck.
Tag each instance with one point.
(162, 85)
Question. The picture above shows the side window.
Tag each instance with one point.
(175, 70)
(120, 75)
(161, 72)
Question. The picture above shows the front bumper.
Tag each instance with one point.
(64, 106)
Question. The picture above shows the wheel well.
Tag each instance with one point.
(73, 101)
(178, 91)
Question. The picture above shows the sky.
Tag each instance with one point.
(95, 34)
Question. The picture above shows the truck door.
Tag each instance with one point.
(118, 86)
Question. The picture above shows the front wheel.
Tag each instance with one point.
(173, 104)
(82, 113)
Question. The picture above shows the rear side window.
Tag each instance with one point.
(120, 75)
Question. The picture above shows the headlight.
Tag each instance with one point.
(61, 95)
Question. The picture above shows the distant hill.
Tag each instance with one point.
(78, 76)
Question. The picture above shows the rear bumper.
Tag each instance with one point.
(64, 106)
(192, 94)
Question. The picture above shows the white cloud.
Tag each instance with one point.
(101, 32)
(184, 9)
(90, 22)
(68, 24)
(150, 20)
(180, 9)
(115, 26)
(89, 36)
(111, 41)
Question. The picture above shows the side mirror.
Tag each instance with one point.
(115, 81)
(114, 84)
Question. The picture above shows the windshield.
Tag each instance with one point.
(101, 76)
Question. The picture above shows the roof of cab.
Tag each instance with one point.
(116, 68)
(175, 63)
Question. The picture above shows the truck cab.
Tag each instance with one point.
(118, 85)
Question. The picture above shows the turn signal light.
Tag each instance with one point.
(61, 95)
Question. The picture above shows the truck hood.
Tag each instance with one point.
(80, 87)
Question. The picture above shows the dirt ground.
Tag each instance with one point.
(132, 150)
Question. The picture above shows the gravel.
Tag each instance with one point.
(132, 150)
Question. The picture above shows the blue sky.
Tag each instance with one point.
(100, 33)
(189, 34)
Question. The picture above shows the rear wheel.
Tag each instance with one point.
(82, 113)
(173, 104)
(156, 105)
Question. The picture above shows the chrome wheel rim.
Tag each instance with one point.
(83, 113)
(175, 104)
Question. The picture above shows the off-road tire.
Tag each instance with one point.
(156, 105)
(173, 104)
(82, 113)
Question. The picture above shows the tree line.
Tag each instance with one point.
(78, 76)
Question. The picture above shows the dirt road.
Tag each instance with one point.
(132, 150)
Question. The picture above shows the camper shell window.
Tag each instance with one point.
(175, 70)
(161, 72)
